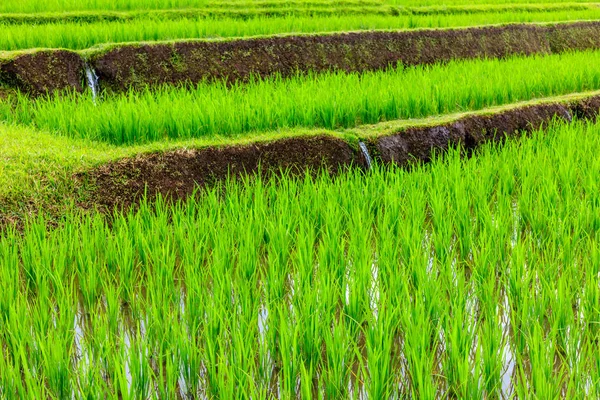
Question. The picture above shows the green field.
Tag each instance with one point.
(32, 6)
(467, 268)
(462, 278)
(80, 35)
(330, 101)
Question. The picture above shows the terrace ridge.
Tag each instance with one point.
(278, 8)
(175, 174)
(136, 65)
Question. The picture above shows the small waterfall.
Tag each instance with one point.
(568, 116)
(365, 151)
(92, 81)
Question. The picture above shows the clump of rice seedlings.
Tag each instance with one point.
(331, 100)
(465, 278)
(474, 2)
(32, 6)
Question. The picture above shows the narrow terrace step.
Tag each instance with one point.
(135, 65)
(176, 174)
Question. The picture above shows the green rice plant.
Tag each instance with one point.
(81, 35)
(423, 3)
(322, 287)
(30, 6)
(332, 100)
(379, 361)
(339, 356)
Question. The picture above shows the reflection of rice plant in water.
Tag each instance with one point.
(466, 278)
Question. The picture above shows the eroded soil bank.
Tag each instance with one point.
(176, 174)
(43, 71)
(134, 65)
(419, 143)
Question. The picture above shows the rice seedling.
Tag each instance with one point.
(425, 3)
(81, 35)
(464, 278)
(32, 6)
(332, 100)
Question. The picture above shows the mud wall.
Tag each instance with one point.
(418, 144)
(121, 67)
(176, 174)
(124, 67)
(40, 72)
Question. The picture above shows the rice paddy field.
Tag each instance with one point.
(422, 231)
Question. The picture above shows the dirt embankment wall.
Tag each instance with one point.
(40, 72)
(135, 65)
(176, 174)
(124, 67)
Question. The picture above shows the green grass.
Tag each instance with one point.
(467, 278)
(81, 35)
(438, 3)
(279, 9)
(34, 6)
(333, 101)
(37, 168)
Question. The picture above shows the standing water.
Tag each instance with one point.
(365, 151)
(92, 80)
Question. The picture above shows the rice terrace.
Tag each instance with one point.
(303, 199)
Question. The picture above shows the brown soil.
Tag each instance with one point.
(586, 109)
(138, 65)
(420, 143)
(4, 93)
(43, 72)
(176, 174)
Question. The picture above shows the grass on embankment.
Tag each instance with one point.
(333, 101)
(84, 35)
(37, 168)
(467, 278)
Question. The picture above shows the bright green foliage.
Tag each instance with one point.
(424, 3)
(31, 6)
(333, 100)
(84, 35)
(467, 278)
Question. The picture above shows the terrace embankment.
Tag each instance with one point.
(135, 65)
(175, 174)
(43, 71)
(419, 143)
